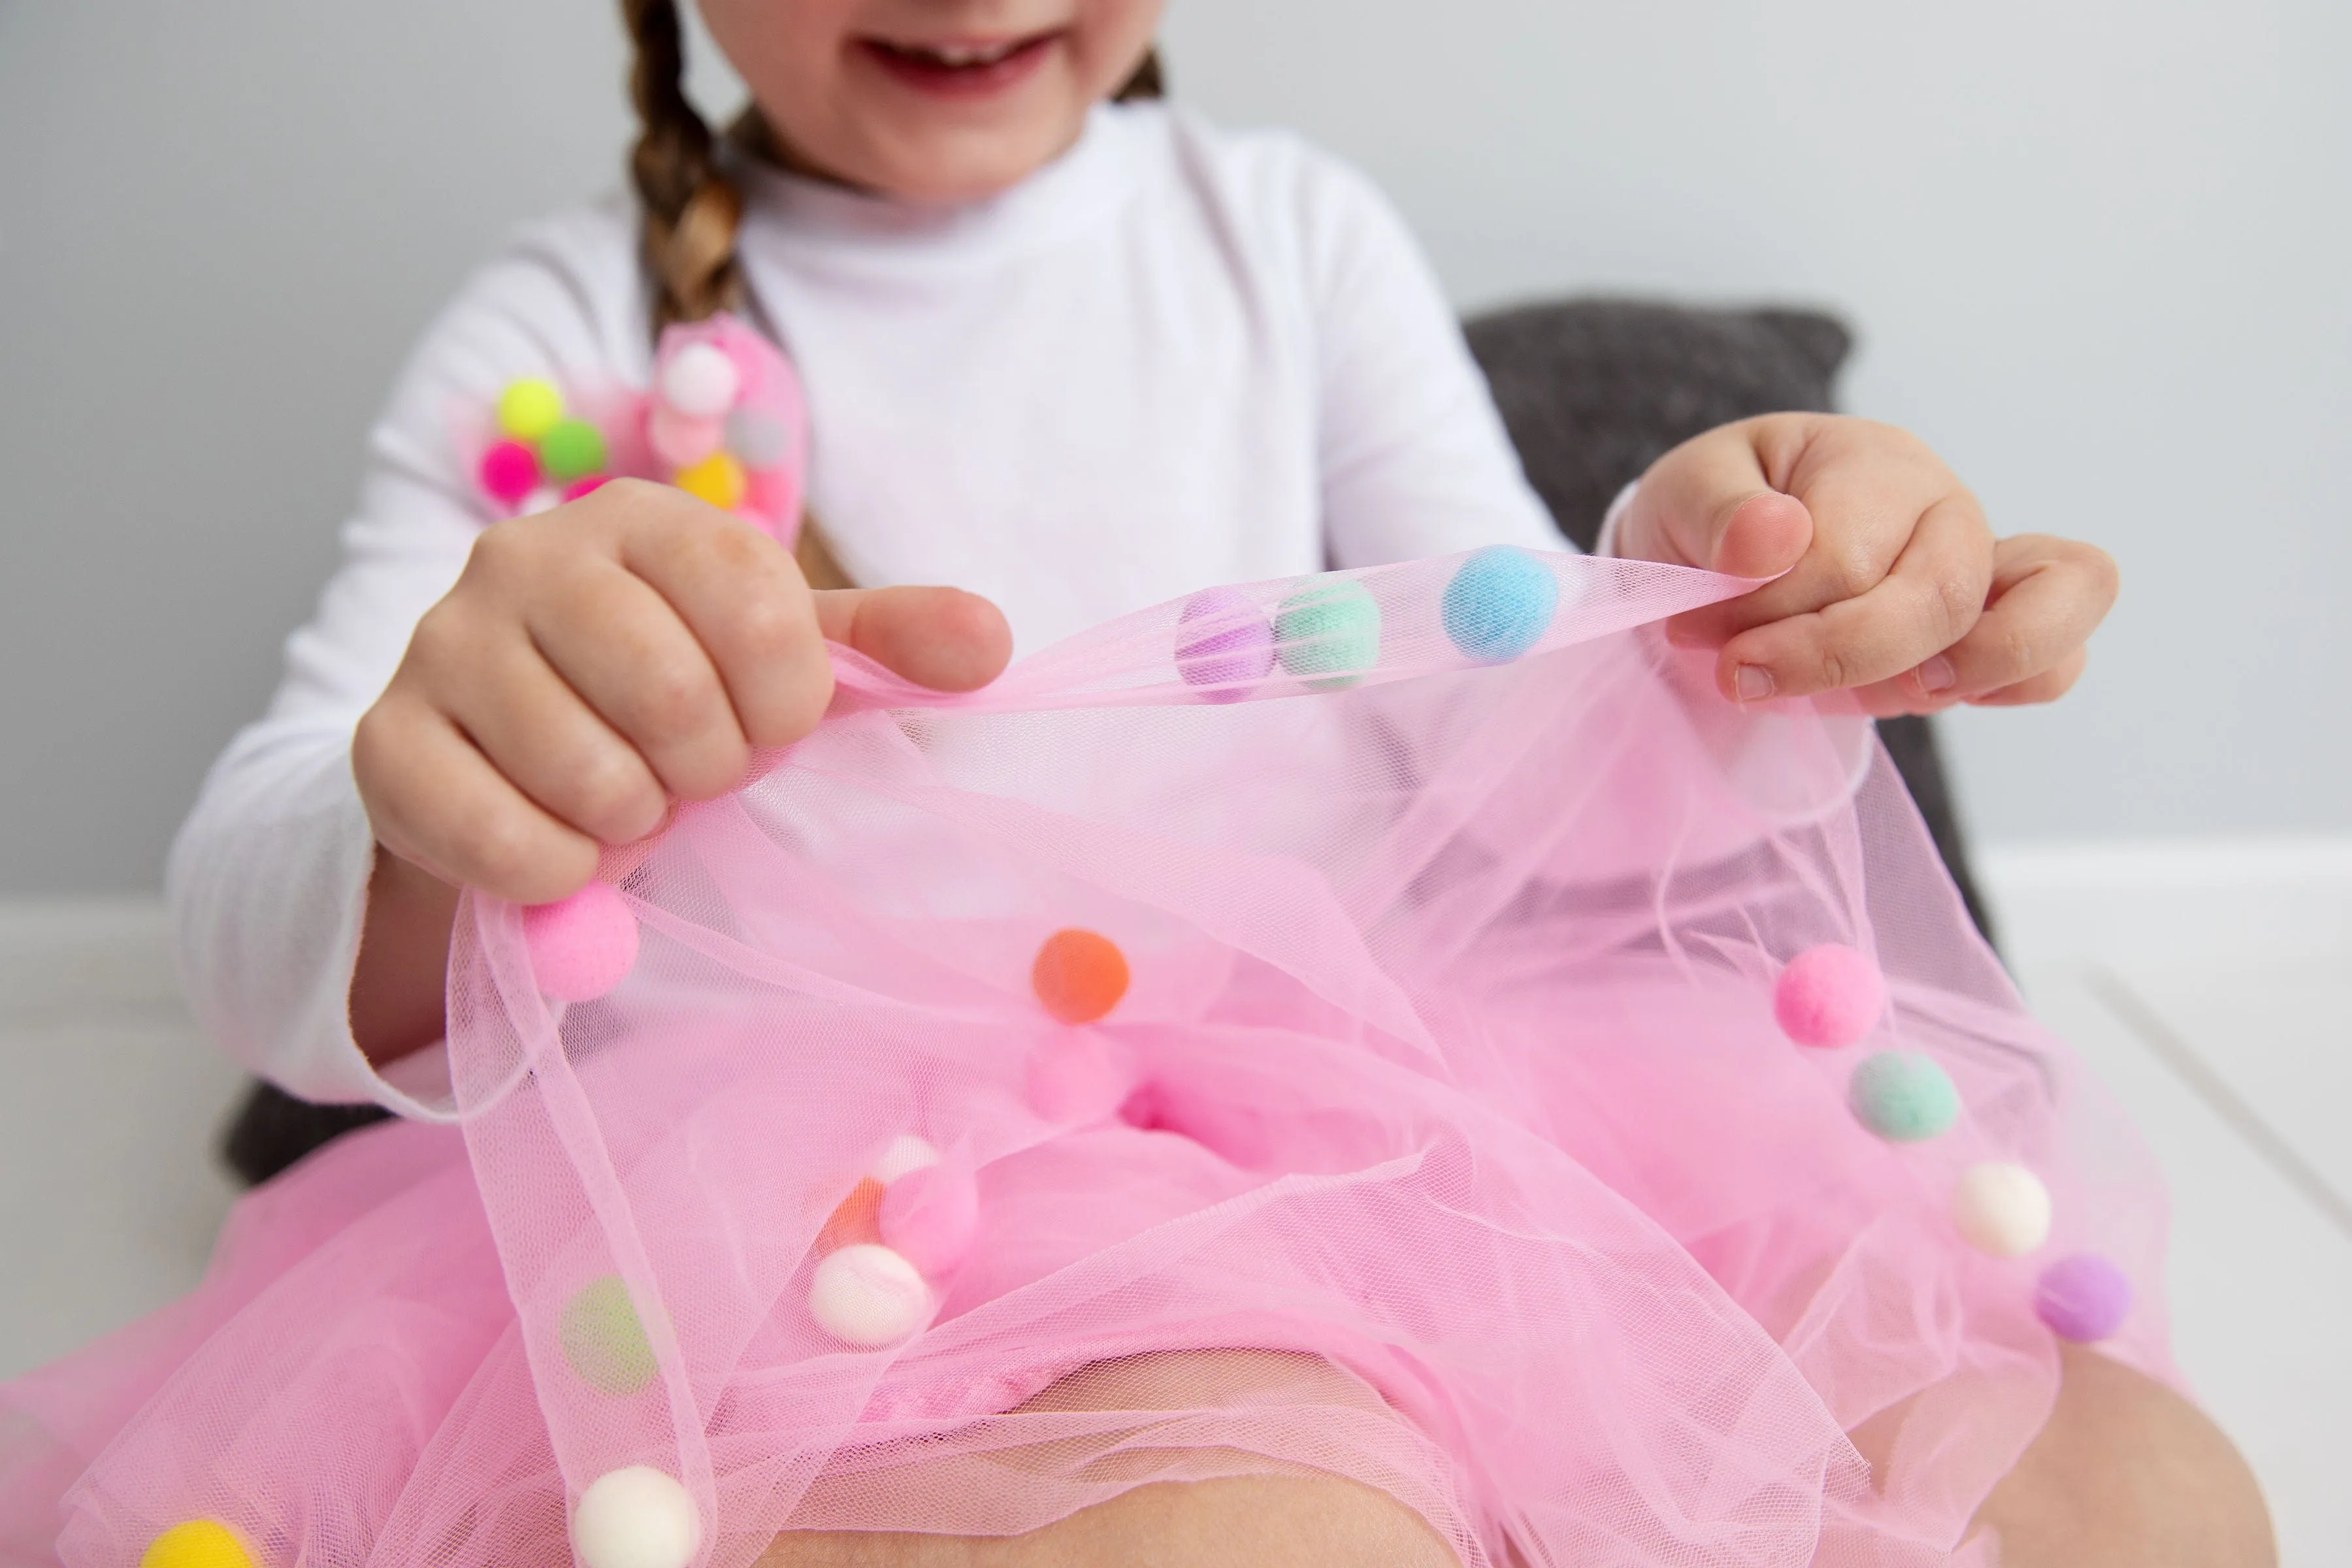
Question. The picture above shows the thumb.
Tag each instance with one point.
(1707, 503)
(944, 639)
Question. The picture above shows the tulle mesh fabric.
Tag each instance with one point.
(1443, 1138)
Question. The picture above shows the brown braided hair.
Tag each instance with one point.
(691, 209)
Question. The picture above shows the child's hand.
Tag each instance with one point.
(1896, 586)
(597, 660)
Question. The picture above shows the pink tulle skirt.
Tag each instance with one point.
(1398, 1026)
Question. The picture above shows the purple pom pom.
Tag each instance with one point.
(1224, 641)
(2083, 1298)
(583, 946)
(1829, 996)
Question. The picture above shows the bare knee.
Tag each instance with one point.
(1266, 1522)
(2127, 1474)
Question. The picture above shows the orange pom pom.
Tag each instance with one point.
(718, 478)
(856, 1219)
(1079, 975)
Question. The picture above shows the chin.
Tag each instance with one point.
(964, 166)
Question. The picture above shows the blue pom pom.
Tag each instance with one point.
(1500, 604)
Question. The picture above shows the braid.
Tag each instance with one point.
(690, 208)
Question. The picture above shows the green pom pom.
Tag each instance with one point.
(1327, 632)
(1903, 1097)
(572, 450)
(604, 1341)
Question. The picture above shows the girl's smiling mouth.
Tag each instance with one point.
(962, 68)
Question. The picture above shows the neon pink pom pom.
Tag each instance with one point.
(928, 1217)
(1079, 1079)
(1829, 996)
(510, 471)
(583, 946)
(680, 441)
(587, 486)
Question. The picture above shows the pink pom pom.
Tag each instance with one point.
(772, 496)
(509, 471)
(928, 1217)
(1829, 996)
(588, 485)
(680, 441)
(583, 946)
(1079, 1078)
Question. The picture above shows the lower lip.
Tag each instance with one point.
(963, 81)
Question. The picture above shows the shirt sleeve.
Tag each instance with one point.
(1414, 459)
(267, 880)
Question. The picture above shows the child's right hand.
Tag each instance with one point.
(598, 660)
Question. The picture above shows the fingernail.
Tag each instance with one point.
(1936, 674)
(1751, 683)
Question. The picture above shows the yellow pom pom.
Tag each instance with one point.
(198, 1543)
(530, 408)
(718, 478)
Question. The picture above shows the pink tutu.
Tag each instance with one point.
(1398, 1024)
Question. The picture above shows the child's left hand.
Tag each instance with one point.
(1896, 587)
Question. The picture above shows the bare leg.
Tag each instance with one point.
(2127, 1474)
(1294, 1520)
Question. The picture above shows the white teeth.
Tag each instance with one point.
(969, 54)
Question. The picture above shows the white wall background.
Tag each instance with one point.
(2096, 252)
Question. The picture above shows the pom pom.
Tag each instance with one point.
(1079, 975)
(930, 1216)
(1500, 604)
(587, 486)
(1078, 1080)
(1903, 1097)
(572, 450)
(2001, 1209)
(718, 478)
(545, 497)
(1224, 641)
(699, 381)
(758, 439)
(635, 1518)
(903, 1155)
(867, 1295)
(678, 441)
(603, 1339)
(774, 495)
(1329, 630)
(528, 408)
(198, 1543)
(509, 471)
(1829, 996)
(855, 1218)
(583, 946)
(2083, 1298)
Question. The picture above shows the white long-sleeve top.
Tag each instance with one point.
(1175, 356)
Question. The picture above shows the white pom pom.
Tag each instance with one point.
(635, 1518)
(2000, 1208)
(867, 1295)
(545, 497)
(699, 381)
(905, 1153)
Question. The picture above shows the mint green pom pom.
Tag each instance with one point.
(572, 450)
(1903, 1097)
(604, 1341)
(1328, 633)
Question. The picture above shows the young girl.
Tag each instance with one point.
(1076, 353)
